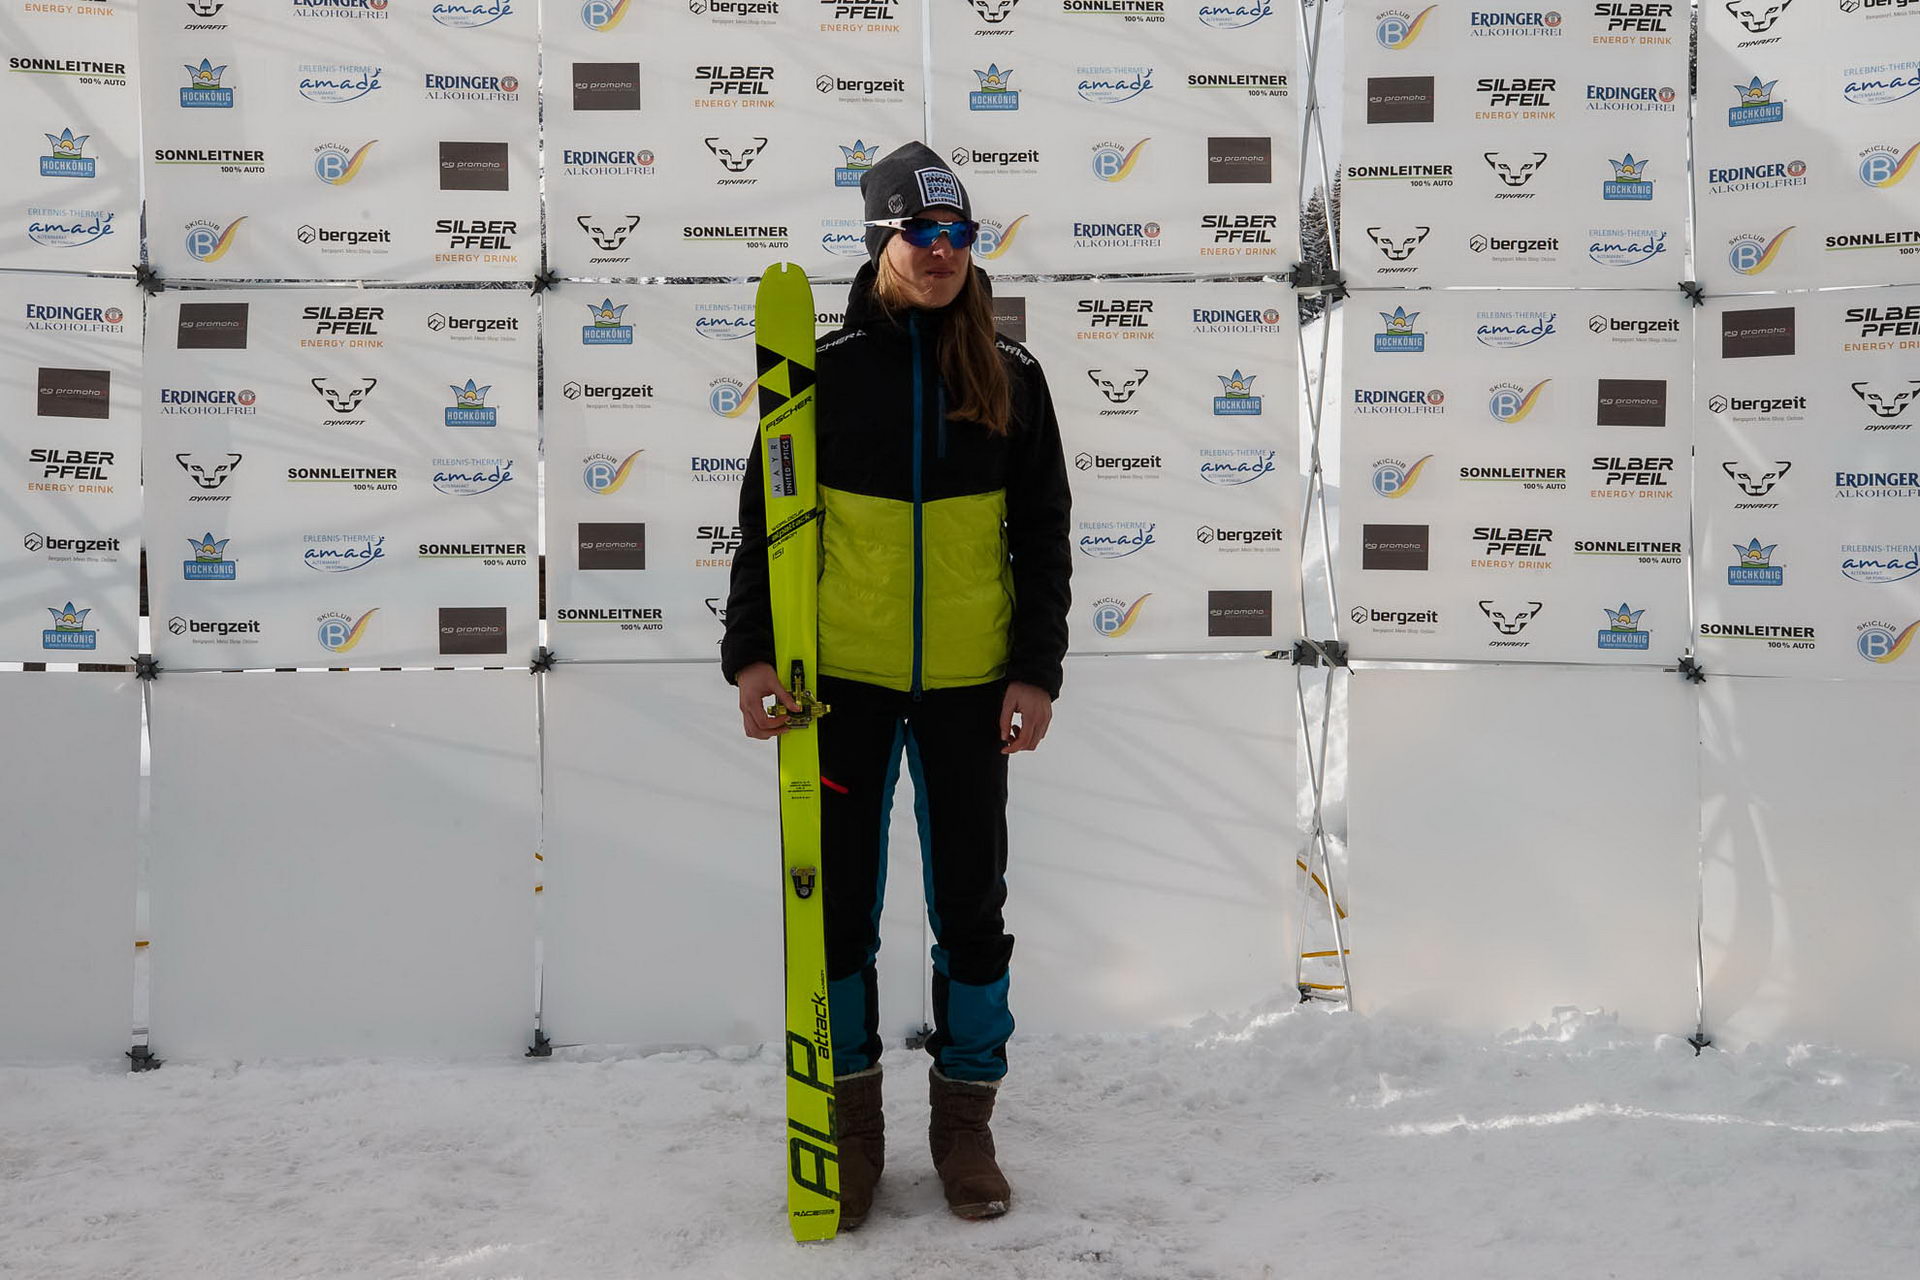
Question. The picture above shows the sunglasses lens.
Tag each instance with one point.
(921, 233)
(962, 233)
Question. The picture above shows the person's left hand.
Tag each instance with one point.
(1035, 709)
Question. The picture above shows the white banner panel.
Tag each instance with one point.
(70, 469)
(360, 879)
(70, 145)
(1150, 881)
(1517, 475)
(1179, 412)
(716, 137)
(342, 477)
(1811, 888)
(1808, 560)
(1521, 840)
(1122, 135)
(1506, 144)
(1807, 142)
(342, 140)
(650, 416)
(70, 786)
(664, 928)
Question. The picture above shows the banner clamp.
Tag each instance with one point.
(545, 280)
(145, 667)
(147, 278)
(1326, 280)
(1309, 653)
(543, 660)
(1691, 671)
(1694, 290)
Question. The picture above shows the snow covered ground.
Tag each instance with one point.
(1286, 1143)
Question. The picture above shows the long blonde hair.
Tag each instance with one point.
(970, 363)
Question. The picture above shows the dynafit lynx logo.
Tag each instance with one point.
(65, 156)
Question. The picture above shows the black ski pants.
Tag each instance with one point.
(950, 741)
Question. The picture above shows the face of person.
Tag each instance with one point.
(932, 277)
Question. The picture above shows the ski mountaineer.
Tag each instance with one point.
(943, 622)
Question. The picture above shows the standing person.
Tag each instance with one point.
(943, 602)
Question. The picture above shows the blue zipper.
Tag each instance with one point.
(919, 570)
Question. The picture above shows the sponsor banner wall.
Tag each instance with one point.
(1524, 840)
(1179, 414)
(70, 787)
(70, 147)
(341, 477)
(1122, 135)
(717, 136)
(69, 469)
(342, 139)
(1517, 475)
(651, 414)
(1807, 142)
(1505, 143)
(1809, 480)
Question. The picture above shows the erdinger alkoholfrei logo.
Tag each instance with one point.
(607, 329)
(209, 563)
(1887, 400)
(1510, 403)
(69, 629)
(209, 241)
(1397, 245)
(1397, 332)
(1510, 619)
(475, 13)
(1756, 104)
(1514, 168)
(1395, 477)
(1623, 629)
(1113, 618)
(1754, 253)
(66, 156)
(604, 15)
(606, 475)
(1880, 642)
(996, 91)
(1630, 181)
(1883, 166)
(336, 165)
(1757, 16)
(1115, 161)
(469, 408)
(1396, 29)
(342, 633)
(1236, 398)
(1753, 566)
(856, 160)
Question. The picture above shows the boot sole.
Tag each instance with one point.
(980, 1212)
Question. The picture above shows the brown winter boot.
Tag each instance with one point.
(962, 1146)
(861, 1130)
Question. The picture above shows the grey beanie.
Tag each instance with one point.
(905, 181)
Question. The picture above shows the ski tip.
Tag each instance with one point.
(782, 268)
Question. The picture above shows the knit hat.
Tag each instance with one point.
(905, 181)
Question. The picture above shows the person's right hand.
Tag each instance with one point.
(758, 684)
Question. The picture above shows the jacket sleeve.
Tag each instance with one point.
(1039, 511)
(749, 624)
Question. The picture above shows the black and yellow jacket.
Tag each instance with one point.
(945, 552)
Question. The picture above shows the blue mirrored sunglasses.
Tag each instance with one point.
(921, 233)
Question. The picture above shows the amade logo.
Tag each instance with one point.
(1751, 255)
(1239, 613)
(1235, 466)
(1753, 566)
(332, 83)
(1881, 84)
(1629, 247)
(1623, 629)
(74, 393)
(480, 13)
(471, 477)
(1114, 539)
(1402, 547)
(1233, 16)
(606, 86)
(1632, 402)
(1396, 29)
(1756, 104)
(1759, 331)
(473, 630)
(1400, 100)
(1108, 85)
(203, 88)
(619, 545)
(1509, 329)
(212, 326)
(473, 166)
(1113, 618)
(1239, 159)
(606, 475)
(1878, 563)
(1395, 478)
(342, 552)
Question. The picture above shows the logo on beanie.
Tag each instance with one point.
(939, 186)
